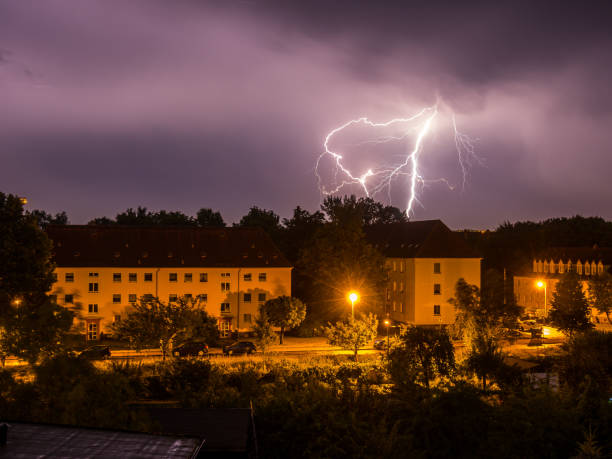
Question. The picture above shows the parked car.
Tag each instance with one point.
(239, 347)
(99, 352)
(190, 348)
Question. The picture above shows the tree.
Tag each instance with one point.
(600, 293)
(208, 218)
(154, 323)
(353, 334)
(485, 359)
(264, 219)
(364, 210)
(142, 217)
(44, 219)
(264, 335)
(422, 354)
(30, 323)
(569, 310)
(285, 312)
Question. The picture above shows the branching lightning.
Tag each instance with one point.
(379, 179)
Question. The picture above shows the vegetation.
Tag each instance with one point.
(262, 328)
(569, 310)
(600, 294)
(285, 312)
(353, 334)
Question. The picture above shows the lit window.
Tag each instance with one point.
(247, 318)
(148, 277)
(172, 277)
(394, 308)
(225, 308)
(172, 297)
(401, 307)
(261, 297)
(394, 266)
(402, 266)
(93, 309)
(263, 277)
(394, 286)
(116, 277)
(247, 297)
(132, 298)
(188, 277)
(436, 309)
(225, 286)
(248, 277)
(93, 287)
(69, 277)
(436, 289)
(117, 298)
(69, 299)
(92, 331)
(132, 277)
(437, 268)
(203, 277)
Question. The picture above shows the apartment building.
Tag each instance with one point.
(425, 260)
(102, 270)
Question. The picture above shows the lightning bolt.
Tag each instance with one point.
(409, 166)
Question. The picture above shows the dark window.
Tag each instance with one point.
(247, 297)
(247, 318)
(436, 268)
(54, 276)
(172, 297)
(261, 297)
(147, 297)
(188, 277)
(132, 277)
(132, 298)
(93, 274)
(69, 277)
(436, 289)
(148, 277)
(203, 297)
(116, 277)
(117, 298)
(225, 307)
(248, 277)
(93, 287)
(93, 308)
(173, 277)
(203, 277)
(117, 317)
(69, 299)
(263, 277)
(225, 286)
(436, 309)
(53, 298)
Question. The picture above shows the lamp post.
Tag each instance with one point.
(353, 297)
(542, 284)
(387, 323)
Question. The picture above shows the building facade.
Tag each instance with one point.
(534, 288)
(102, 270)
(425, 259)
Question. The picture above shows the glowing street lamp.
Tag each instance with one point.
(16, 301)
(353, 297)
(387, 324)
(542, 284)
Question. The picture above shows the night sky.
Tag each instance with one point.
(179, 105)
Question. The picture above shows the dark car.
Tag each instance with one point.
(380, 344)
(239, 347)
(96, 353)
(190, 348)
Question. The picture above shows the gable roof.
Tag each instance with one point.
(137, 246)
(420, 239)
(595, 253)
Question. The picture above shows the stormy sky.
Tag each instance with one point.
(179, 105)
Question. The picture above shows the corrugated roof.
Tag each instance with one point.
(135, 246)
(420, 239)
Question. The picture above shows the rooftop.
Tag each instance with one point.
(136, 246)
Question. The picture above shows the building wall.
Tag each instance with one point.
(419, 296)
(240, 315)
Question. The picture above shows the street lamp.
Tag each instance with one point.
(353, 297)
(542, 284)
(387, 323)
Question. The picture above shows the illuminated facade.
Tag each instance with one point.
(425, 260)
(550, 266)
(102, 270)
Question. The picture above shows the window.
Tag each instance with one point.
(402, 266)
(69, 277)
(53, 298)
(263, 277)
(54, 277)
(93, 309)
(172, 277)
(225, 308)
(92, 331)
(248, 277)
(261, 297)
(394, 308)
(132, 277)
(561, 267)
(394, 286)
(147, 297)
(587, 268)
(148, 277)
(172, 297)
(188, 277)
(93, 274)
(436, 268)
(93, 287)
(394, 266)
(203, 297)
(203, 277)
(247, 318)
(402, 287)
(225, 286)
(116, 277)
(247, 298)
(437, 289)
(69, 299)
(225, 274)
(132, 298)
(401, 307)
(117, 317)
(224, 329)
(436, 309)
(117, 298)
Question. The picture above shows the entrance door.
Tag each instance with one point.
(93, 330)
(224, 328)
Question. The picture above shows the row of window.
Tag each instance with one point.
(437, 289)
(172, 277)
(402, 266)
(552, 267)
(132, 298)
(436, 308)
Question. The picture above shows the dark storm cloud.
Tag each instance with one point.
(109, 104)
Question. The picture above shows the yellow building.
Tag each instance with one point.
(534, 288)
(425, 260)
(101, 270)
